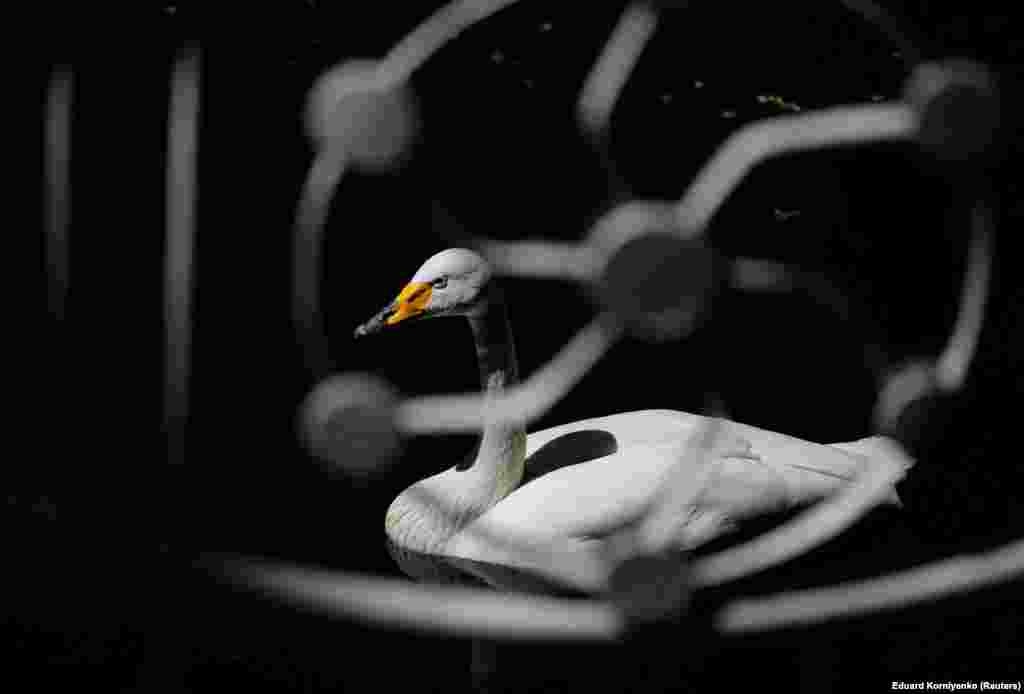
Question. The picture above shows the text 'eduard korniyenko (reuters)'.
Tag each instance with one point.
(979, 685)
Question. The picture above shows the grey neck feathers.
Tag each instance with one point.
(500, 443)
(495, 350)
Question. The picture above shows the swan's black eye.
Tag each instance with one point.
(439, 283)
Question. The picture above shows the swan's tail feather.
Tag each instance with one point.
(813, 478)
(875, 445)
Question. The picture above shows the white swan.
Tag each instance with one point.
(571, 485)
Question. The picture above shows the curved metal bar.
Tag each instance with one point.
(909, 44)
(758, 141)
(612, 70)
(523, 403)
(952, 366)
(442, 609)
(311, 221)
(57, 190)
(542, 259)
(432, 34)
(182, 147)
(933, 581)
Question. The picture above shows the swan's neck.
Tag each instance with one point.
(502, 445)
(430, 512)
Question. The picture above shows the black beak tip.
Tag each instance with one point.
(365, 329)
(375, 324)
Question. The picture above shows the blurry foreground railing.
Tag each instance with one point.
(347, 110)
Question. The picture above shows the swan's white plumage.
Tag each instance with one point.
(459, 511)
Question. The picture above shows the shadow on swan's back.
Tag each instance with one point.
(569, 449)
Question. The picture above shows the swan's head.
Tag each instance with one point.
(450, 283)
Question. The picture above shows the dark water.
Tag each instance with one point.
(104, 529)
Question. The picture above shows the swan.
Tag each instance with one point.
(577, 484)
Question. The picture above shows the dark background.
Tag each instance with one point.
(105, 527)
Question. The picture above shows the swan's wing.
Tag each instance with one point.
(599, 496)
(570, 508)
(810, 470)
(569, 511)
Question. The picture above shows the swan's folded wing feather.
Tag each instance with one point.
(811, 470)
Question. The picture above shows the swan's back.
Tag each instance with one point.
(809, 468)
(629, 429)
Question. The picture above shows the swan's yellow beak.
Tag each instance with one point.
(412, 301)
